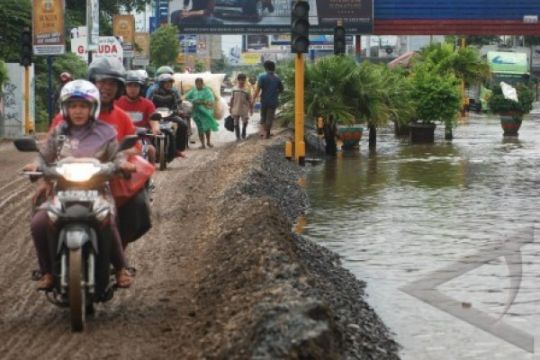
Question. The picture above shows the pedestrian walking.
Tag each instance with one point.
(240, 105)
(203, 100)
(269, 85)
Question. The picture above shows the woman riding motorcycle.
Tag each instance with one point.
(80, 135)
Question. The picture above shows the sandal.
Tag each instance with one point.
(46, 282)
(210, 145)
(123, 278)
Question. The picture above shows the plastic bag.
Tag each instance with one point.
(123, 189)
(509, 92)
(229, 123)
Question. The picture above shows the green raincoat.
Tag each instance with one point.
(203, 109)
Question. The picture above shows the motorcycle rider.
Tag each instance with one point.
(165, 97)
(160, 71)
(79, 135)
(108, 74)
(139, 108)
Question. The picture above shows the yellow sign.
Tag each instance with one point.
(48, 26)
(250, 58)
(142, 49)
(124, 28)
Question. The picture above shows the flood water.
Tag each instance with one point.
(441, 229)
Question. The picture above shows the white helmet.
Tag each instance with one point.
(143, 74)
(80, 90)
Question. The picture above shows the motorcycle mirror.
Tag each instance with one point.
(26, 144)
(129, 141)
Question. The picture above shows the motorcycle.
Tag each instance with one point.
(80, 244)
(170, 121)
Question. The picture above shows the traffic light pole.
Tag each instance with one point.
(299, 145)
(28, 128)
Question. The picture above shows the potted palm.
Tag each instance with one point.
(437, 99)
(510, 111)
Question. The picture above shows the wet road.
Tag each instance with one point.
(441, 229)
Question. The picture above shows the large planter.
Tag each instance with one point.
(350, 136)
(511, 123)
(420, 133)
(401, 130)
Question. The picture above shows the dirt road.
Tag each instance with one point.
(218, 276)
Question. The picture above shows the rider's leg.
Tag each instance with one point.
(151, 153)
(39, 228)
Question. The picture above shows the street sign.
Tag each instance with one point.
(108, 46)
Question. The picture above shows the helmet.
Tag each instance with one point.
(143, 74)
(106, 68)
(164, 70)
(133, 76)
(65, 77)
(79, 90)
(165, 78)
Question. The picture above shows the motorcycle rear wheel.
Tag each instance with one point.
(162, 155)
(76, 290)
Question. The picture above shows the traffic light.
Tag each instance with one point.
(340, 44)
(300, 27)
(26, 48)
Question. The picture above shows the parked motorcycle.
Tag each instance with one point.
(80, 244)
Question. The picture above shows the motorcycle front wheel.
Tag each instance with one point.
(77, 304)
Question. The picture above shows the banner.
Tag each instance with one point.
(250, 58)
(108, 46)
(48, 26)
(142, 49)
(92, 23)
(124, 28)
(268, 16)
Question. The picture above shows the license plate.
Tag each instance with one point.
(77, 195)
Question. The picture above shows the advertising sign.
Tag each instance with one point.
(250, 58)
(108, 46)
(535, 63)
(142, 49)
(508, 62)
(92, 23)
(48, 26)
(124, 28)
(268, 16)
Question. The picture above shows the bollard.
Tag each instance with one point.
(301, 153)
(288, 150)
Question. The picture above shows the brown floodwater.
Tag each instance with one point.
(443, 235)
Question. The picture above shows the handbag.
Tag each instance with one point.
(123, 189)
(229, 123)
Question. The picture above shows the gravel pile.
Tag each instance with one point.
(296, 301)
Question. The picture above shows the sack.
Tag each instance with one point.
(229, 123)
(123, 189)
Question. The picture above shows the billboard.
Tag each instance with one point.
(48, 26)
(108, 46)
(268, 16)
(124, 28)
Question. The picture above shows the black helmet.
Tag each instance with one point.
(133, 76)
(108, 68)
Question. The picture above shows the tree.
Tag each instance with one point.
(14, 16)
(164, 46)
(3, 75)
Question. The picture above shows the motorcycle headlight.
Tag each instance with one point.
(78, 172)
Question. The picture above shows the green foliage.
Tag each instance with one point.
(199, 66)
(164, 46)
(3, 75)
(464, 63)
(14, 16)
(437, 97)
(499, 104)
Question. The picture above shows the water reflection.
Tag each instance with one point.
(409, 210)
